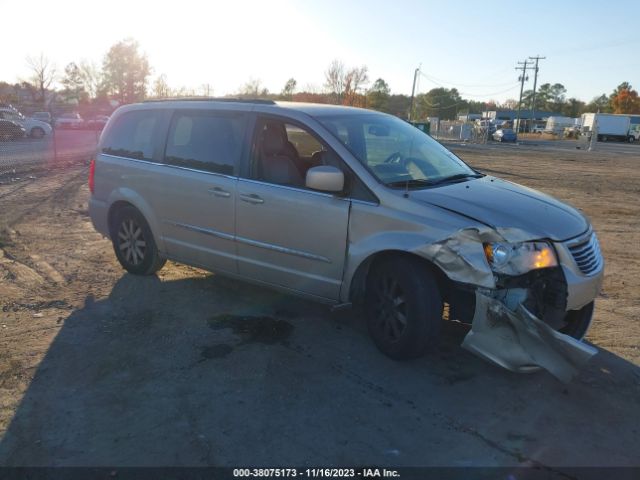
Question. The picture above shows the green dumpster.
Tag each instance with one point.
(424, 126)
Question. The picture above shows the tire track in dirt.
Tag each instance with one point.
(20, 201)
(19, 265)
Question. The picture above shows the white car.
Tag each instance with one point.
(34, 128)
(69, 120)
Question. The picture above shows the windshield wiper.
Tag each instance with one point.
(410, 182)
(424, 182)
(453, 178)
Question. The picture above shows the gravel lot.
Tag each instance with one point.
(98, 367)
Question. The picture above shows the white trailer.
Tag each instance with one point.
(608, 126)
(556, 125)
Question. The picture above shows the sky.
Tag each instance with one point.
(590, 46)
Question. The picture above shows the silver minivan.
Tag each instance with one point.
(350, 207)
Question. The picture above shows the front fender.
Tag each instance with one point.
(451, 242)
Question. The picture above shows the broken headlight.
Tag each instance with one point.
(519, 258)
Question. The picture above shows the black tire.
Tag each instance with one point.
(36, 132)
(130, 226)
(578, 321)
(403, 308)
(632, 139)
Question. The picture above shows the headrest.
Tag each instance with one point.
(272, 140)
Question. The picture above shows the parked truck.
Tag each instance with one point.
(634, 128)
(610, 127)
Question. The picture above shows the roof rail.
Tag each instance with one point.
(212, 99)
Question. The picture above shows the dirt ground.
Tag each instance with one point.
(98, 367)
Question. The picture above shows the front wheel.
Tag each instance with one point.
(578, 321)
(403, 307)
(134, 244)
(37, 132)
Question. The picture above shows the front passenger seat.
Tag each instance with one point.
(276, 166)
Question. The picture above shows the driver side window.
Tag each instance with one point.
(284, 152)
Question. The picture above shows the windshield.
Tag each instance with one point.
(396, 152)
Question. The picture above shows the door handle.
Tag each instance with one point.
(251, 198)
(218, 192)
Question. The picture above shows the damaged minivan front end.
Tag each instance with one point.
(526, 314)
(522, 268)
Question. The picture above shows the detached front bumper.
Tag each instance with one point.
(519, 341)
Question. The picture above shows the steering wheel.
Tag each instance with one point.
(395, 157)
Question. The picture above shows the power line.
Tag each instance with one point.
(468, 94)
(436, 79)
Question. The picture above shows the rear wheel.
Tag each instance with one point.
(403, 308)
(133, 243)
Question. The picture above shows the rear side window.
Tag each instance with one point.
(133, 135)
(211, 142)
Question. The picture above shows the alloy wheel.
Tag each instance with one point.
(131, 241)
(391, 308)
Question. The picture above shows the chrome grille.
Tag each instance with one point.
(587, 255)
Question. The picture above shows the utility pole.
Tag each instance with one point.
(413, 92)
(522, 79)
(535, 82)
(486, 123)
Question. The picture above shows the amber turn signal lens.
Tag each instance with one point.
(544, 258)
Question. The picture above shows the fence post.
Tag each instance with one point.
(55, 146)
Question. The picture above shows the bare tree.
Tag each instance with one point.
(253, 88)
(206, 89)
(354, 79)
(43, 73)
(334, 79)
(161, 87)
(184, 92)
(343, 84)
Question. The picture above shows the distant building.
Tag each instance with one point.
(511, 115)
(469, 117)
(526, 123)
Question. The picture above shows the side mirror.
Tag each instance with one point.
(325, 178)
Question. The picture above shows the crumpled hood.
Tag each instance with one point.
(499, 203)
